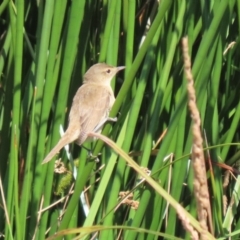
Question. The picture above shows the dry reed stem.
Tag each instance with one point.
(186, 223)
(4, 206)
(198, 162)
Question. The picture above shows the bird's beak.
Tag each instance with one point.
(121, 68)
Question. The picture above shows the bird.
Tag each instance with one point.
(90, 107)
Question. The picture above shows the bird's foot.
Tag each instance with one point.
(100, 125)
(91, 157)
(112, 119)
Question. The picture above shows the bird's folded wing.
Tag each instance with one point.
(92, 107)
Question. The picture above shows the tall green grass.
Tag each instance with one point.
(47, 46)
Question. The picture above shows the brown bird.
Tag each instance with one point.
(90, 108)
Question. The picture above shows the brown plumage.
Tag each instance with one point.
(90, 108)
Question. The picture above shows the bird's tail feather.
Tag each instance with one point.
(62, 142)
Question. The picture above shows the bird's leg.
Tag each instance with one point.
(112, 119)
(97, 129)
(90, 155)
(100, 125)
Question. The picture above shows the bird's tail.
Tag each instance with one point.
(66, 139)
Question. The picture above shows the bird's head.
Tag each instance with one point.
(101, 73)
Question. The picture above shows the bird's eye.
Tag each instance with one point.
(108, 71)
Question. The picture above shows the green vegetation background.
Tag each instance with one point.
(46, 46)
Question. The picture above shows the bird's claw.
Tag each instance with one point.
(112, 119)
(91, 157)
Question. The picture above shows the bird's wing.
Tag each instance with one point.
(91, 107)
